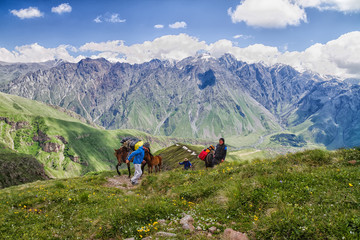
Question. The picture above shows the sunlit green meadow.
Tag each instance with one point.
(309, 195)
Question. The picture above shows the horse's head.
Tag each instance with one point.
(121, 154)
(148, 155)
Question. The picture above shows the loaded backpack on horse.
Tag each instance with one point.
(132, 143)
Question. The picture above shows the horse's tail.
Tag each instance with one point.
(160, 162)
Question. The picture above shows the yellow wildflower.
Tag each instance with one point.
(350, 185)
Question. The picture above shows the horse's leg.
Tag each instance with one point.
(129, 169)
(117, 168)
(142, 167)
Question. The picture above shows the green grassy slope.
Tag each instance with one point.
(309, 195)
(80, 147)
(176, 153)
(249, 155)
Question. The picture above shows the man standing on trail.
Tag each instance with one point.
(220, 152)
(138, 156)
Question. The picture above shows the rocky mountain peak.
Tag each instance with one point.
(199, 96)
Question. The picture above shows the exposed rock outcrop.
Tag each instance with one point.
(230, 234)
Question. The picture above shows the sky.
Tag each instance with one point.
(322, 36)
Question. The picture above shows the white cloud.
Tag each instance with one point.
(159, 26)
(251, 54)
(268, 14)
(98, 19)
(181, 24)
(30, 12)
(114, 18)
(172, 47)
(337, 5)
(62, 8)
(242, 36)
(283, 13)
(37, 53)
(103, 46)
(338, 57)
(109, 17)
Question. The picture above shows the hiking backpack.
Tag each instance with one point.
(205, 152)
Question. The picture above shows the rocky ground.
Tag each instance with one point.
(121, 182)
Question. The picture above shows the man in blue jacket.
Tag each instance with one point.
(138, 156)
(187, 164)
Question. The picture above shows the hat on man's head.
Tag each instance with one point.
(147, 145)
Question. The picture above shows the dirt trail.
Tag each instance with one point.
(121, 182)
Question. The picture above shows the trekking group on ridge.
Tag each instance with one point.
(212, 155)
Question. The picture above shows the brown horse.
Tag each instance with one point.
(121, 155)
(152, 161)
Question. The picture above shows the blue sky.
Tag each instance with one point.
(239, 27)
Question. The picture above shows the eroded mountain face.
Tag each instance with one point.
(199, 97)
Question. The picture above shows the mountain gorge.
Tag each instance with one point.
(201, 96)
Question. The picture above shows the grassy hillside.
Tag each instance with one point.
(61, 140)
(249, 154)
(17, 168)
(176, 153)
(309, 195)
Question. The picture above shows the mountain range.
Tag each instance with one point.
(199, 97)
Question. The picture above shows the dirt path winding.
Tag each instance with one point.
(121, 182)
